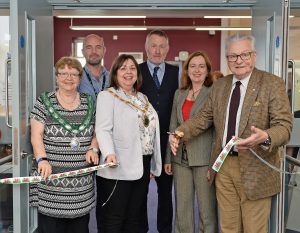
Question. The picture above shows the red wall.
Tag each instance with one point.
(133, 41)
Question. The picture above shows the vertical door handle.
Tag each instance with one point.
(8, 61)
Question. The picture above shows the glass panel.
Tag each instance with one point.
(297, 89)
(6, 201)
(292, 182)
(292, 197)
(78, 49)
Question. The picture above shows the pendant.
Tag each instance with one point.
(146, 121)
(75, 143)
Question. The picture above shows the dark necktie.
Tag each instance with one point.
(233, 108)
(155, 78)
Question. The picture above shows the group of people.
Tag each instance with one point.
(123, 117)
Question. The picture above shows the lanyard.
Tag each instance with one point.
(90, 80)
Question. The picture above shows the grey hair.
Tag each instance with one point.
(240, 37)
(158, 33)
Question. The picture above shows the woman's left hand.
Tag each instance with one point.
(168, 169)
(92, 157)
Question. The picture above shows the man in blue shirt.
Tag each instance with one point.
(95, 77)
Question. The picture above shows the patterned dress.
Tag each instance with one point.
(69, 197)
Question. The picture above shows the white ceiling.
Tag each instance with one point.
(159, 8)
(152, 3)
(153, 8)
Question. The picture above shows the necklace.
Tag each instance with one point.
(129, 95)
(195, 92)
(146, 120)
(71, 103)
(73, 129)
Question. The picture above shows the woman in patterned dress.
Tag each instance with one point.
(62, 137)
(128, 128)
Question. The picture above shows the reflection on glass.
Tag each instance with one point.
(6, 199)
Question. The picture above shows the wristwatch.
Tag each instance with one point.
(94, 149)
(41, 159)
(267, 142)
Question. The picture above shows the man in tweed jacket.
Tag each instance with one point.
(244, 185)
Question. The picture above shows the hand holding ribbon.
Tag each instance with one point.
(37, 179)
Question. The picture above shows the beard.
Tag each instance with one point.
(94, 61)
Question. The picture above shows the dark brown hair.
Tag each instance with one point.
(118, 62)
(185, 79)
(217, 74)
(71, 62)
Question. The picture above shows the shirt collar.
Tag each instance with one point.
(152, 66)
(103, 72)
(244, 81)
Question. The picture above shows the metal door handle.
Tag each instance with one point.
(24, 154)
(8, 61)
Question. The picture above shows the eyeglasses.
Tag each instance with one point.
(66, 75)
(243, 56)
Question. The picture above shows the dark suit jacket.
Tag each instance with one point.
(265, 106)
(161, 99)
(198, 148)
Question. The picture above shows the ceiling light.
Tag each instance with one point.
(109, 28)
(228, 17)
(103, 16)
(223, 28)
(139, 28)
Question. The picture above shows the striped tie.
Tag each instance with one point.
(155, 78)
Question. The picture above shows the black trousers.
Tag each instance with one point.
(48, 224)
(164, 208)
(122, 212)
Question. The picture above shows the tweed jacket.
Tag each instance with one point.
(198, 148)
(265, 106)
(117, 131)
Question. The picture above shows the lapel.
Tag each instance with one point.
(200, 100)
(226, 90)
(164, 77)
(249, 100)
(149, 75)
(181, 98)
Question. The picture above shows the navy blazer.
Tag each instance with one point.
(162, 98)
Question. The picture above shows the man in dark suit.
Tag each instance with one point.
(262, 118)
(160, 81)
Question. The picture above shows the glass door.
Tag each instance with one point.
(31, 29)
(6, 200)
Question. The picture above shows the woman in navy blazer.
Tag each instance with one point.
(127, 129)
(190, 165)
